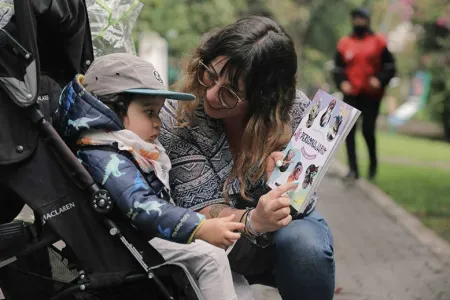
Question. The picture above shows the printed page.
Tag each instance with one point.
(308, 154)
(354, 114)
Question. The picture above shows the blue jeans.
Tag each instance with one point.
(303, 262)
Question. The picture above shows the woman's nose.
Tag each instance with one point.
(212, 94)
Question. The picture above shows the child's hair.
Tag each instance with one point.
(118, 103)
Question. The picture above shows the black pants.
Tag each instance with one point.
(369, 107)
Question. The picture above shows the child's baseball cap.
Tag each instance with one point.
(126, 73)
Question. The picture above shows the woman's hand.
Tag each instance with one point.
(275, 159)
(273, 211)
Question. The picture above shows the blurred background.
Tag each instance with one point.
(386, 255)
(414, 127)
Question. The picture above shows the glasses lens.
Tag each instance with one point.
(228, 98)
(204, 76)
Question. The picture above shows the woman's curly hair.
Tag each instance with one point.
(261, 54)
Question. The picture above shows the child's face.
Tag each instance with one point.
(143, 117)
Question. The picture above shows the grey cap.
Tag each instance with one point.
(126, 73)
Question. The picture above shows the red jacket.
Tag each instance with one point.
(358, 59)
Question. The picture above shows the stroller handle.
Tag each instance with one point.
(7, 39)
(77, 171)
(4, 32)
(3, 38)
(100, 199)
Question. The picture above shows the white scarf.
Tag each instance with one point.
(151, 157)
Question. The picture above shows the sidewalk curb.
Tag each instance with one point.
(413, 225)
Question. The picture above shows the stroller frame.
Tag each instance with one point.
(144, 255)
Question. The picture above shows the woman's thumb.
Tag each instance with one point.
(277, 157)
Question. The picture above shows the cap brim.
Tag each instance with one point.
(164, 93)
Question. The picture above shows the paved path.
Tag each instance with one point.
(376, 258)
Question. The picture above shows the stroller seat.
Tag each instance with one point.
(99, 255)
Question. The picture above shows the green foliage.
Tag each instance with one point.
(183, 23)
(327, 24)
(434, 48)
(315, 25)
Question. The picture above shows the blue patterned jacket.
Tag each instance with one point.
(138, 195)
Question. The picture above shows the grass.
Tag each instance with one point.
(421, 150)
(422, 190)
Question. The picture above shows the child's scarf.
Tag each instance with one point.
(151, 157)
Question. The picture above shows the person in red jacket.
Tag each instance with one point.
(363, 68)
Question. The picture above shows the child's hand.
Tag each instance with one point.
(275, 159)
(219, 231)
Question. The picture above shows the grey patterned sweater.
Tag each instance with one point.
(201, 159)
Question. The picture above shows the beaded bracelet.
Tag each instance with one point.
(248, 225)
(243, 219)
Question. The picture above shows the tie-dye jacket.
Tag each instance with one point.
(136, 194)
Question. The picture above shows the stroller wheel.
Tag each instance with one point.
(101, 201)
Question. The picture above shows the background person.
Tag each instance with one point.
(363, 68)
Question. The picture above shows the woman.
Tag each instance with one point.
(224, 147)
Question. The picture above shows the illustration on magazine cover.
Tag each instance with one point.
(312, 144)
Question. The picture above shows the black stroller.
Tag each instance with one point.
(43, 44)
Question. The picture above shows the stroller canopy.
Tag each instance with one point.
(36, 37)
(60, 35)
(18, 73)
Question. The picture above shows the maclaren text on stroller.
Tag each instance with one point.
(42, 47)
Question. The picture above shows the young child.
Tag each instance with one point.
(111, 115)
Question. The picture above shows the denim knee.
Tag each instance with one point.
(304, 242)
(304, 259)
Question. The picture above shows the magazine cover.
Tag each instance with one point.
(324, 126)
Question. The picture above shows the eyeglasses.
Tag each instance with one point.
(208, 78)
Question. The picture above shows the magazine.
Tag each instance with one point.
(325, 124)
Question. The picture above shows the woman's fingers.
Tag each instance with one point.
(284, 222)
(281, 213)
(279, 203)
(272, 161)
(275, 156)
(280, 190)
